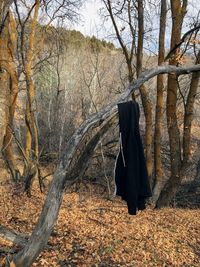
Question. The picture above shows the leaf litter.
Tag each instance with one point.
(94, 231)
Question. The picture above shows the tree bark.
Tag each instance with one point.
(4, 9)
(15, 238)
(31, 168)
(146, 101)
(73, 161)
(31, 128)
(158, 179)
(4, 85)
(188, 116)
(9, 54)
(178, 13)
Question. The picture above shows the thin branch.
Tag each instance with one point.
(183, 39)
(19, 145)
(123, 46)
(70, 168)
(181, 93)
(132, 30)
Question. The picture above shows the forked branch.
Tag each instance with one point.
(75, 158)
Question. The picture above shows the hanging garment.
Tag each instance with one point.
(131, 177)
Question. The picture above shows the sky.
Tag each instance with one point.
(90, 18)
(92, 22)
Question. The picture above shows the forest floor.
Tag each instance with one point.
(94, 231)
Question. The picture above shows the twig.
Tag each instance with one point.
(173, 50)
(97, 221)
(106, 209)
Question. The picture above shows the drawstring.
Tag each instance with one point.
(121, 146)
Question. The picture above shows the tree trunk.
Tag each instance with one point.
(4, 76)
(31, 130)
(4, 80)
(178, 13)
(158, 180)
(146, 102)
(73, 163)
(4, 9)
(8, 150)
(31, 168)
(188, 116)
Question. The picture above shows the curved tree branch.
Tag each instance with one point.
(73, 161)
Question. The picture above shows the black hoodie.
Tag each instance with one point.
(131, 177)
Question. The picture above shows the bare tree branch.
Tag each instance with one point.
(75, 159)
(14, 237)
(4, 9)
(183, 39)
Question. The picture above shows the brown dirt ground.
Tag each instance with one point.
(94, 231)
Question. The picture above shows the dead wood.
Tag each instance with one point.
(15, 237)
(75, 159)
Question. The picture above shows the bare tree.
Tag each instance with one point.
(8, 38)
(146, 101)
(188, 116)
(158, 180)
(73, 162)
(178, 10)
(30, 45)
(131, 52)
